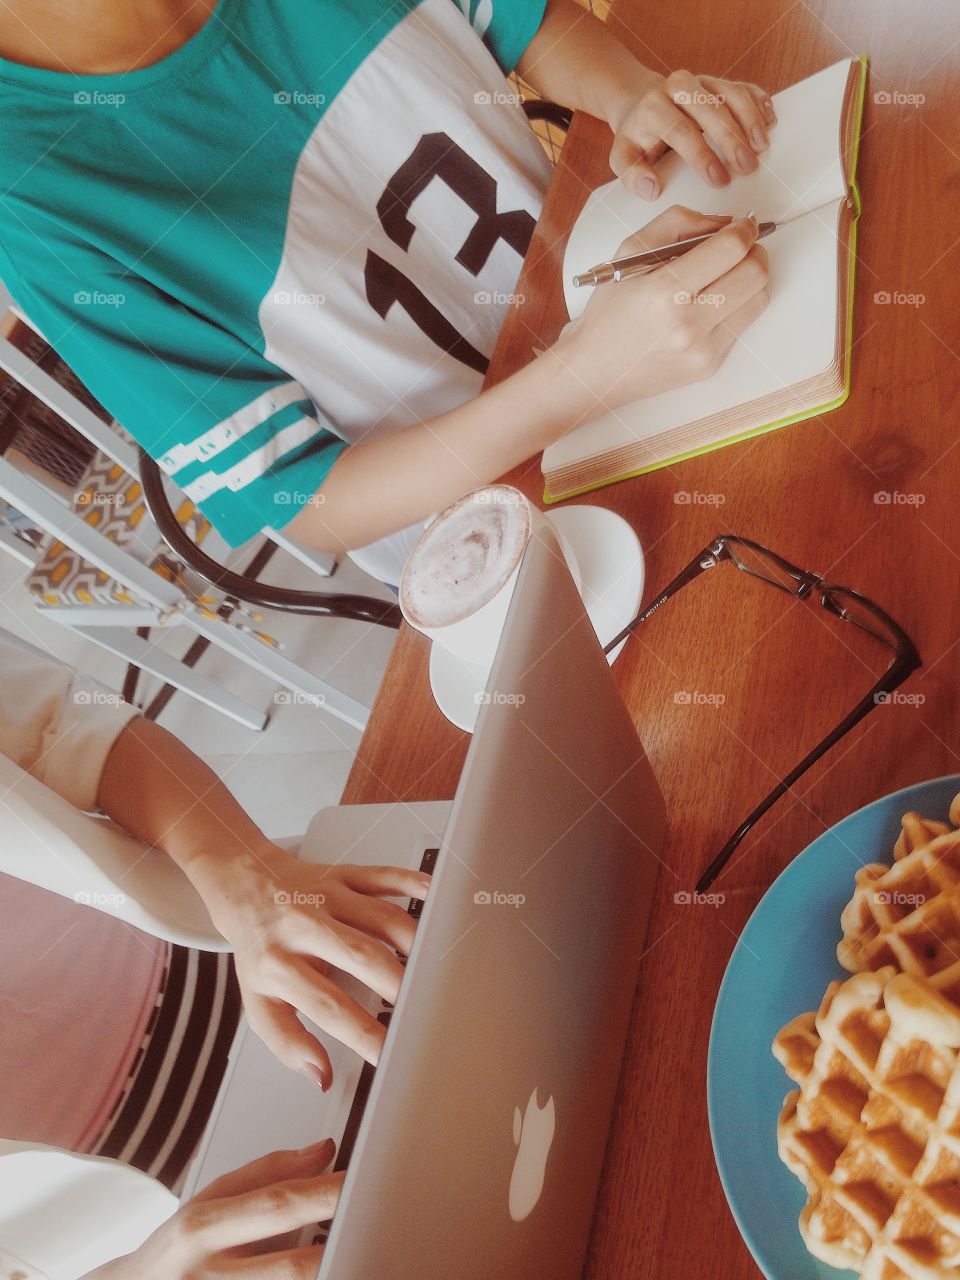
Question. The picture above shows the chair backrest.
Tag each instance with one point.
(60, 399)
(50, 843)
(27, 492)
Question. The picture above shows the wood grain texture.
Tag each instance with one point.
(786, 671)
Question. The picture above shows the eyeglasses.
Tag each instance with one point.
(844, 602)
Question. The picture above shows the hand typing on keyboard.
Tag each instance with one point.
(231, 1228)
(286, 921)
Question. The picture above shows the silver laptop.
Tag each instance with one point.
(475, 1148)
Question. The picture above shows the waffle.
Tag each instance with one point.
(873, 1131)
(908, 914)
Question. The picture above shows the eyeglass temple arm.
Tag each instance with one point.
(894, 676)
(696, 566)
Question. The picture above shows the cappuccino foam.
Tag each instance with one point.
(465, 557)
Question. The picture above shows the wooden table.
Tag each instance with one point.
(786, 671)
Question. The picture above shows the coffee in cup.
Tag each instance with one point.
(458, 581)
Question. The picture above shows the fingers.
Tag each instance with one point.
(290, 1264)
(382, 920)
(657, 122)
(734, 325)
(709, 109)
(387, 881)
(734, 289)
(333, 1010)
(633, 163)
(362, 957)
(278, 1026)
(688, 113)
(707, 262)
(744, 103)
(675, 223)
(684, 134)
(268, 1169)
(228, 1222)
(765, 103)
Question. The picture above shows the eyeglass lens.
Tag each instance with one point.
(851, 609)
(751, 560)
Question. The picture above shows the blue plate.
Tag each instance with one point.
(781, 966)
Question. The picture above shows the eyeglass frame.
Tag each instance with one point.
(906, 660)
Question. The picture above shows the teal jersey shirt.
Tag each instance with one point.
(301, 229)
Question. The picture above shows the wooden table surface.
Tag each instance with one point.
(786, 671)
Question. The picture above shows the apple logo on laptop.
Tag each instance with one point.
(533, 1135)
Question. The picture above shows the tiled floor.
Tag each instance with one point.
(300, 762)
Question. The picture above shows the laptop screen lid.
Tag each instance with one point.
(481, 1147)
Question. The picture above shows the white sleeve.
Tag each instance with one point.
(55, 724)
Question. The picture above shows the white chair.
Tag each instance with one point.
(105, 571)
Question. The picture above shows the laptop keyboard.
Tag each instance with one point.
(415, 907)
(427, 864)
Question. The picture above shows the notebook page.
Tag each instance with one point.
(794, 339)
(802, 169)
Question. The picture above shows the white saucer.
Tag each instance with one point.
(610, 559)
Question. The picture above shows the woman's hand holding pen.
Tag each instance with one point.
(673, 326)
(686, 113)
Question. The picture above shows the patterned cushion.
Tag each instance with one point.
(110, 500)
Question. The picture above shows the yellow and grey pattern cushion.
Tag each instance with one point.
(111, 501)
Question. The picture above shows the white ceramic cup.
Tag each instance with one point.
(459, 579)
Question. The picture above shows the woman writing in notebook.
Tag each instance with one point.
(277, 240)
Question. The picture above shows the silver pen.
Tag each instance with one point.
(638, 264)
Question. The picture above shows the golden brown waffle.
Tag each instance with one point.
(874, 1130)
(908, 914)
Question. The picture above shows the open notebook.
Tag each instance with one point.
(795, 361)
